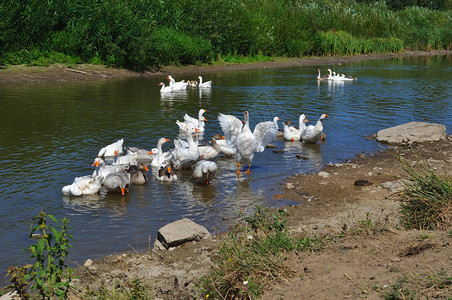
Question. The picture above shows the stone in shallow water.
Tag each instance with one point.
(180, 232)
(412, 132)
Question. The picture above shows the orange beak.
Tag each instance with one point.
(196, 130)
(205, 119)
(96, 163)
(123, 191)
(169, 169)
(146, 168)
(167, 140)
(223, 138)
(116, 152)
(150, 152)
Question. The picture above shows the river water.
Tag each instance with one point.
(51, 133)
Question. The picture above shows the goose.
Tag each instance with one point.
(330, 75)
(112, 149)
(197, 123)
(204, 171)
(312, 133)
(248, 142)
(160, 156)
(166, 174)
(180, 85)
(292, 133)
(206, 84)
(85, 185)
(138, 174)
(184, 154)
(207, 152)
(226, 149)
(128, 159)
(165, 89)
(324, 77)
(102, 170)
(141, 154)
(117, 182)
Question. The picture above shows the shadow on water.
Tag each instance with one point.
(68, 123)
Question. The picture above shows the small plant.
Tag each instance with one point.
(398, 292)
(250, 258)
(429, 198)
(313, 244)
(49, 275)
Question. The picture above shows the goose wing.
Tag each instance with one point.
(231, 127)
(265, 132)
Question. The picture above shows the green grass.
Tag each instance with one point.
(428, 202)
(253, 256)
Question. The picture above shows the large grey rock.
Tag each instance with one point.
(181, 231)
(412, 132)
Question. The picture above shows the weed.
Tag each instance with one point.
(49, 275)
(429, 197)
(398, 292)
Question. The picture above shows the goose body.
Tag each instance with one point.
(102, 170)
(165, 89)
(184, 154)
(160, 157)
(85, 185)
(312, 133)
(176, 86)
(248, 142)
(207, 152)
(292, 133)
(117, 182)
(207, 84)
(112, 149)
(166, 174)
(204, 171)
(138, 174)
(196, 123)
(322, 78)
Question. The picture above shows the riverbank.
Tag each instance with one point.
(366, 252)
(61, 73)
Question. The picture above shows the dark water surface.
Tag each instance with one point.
(50, 134)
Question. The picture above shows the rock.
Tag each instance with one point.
(9, 296)
(88, 263)
(289, 186)
(395, 186)
(412, 132)
(362, 182)
(323, 174)
(180, 232)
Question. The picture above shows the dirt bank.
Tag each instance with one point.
(60, 73)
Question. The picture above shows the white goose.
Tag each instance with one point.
(112, 149)
(160, 157)
(207, 152)
(248, 142)
(207, 84)
(313, 133)
(197, 123)
(226, 149)
(292, 133)
(184, 155)
(165, 89)
(204, 171)
(176, 86)
(102, 170)
(85, 185)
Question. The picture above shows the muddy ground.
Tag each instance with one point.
(61, 73)
(372, 254)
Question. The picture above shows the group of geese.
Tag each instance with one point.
(237, 140)
(183, 85)
(334, 77)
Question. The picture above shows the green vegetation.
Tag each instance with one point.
(133, 290)
(253, 256)
(139, 34)
(429, 198)
(49, 275)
